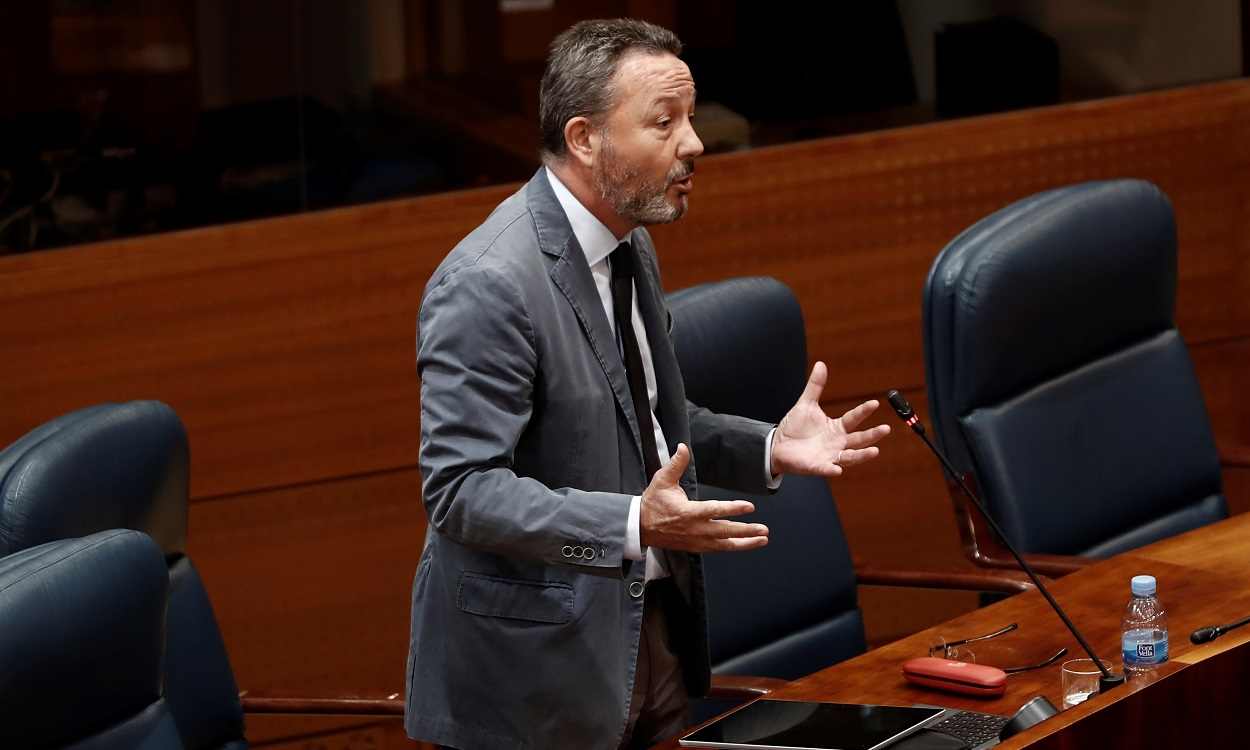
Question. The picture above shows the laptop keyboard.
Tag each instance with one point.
(971, 727)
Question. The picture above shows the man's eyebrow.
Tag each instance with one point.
(660, 99)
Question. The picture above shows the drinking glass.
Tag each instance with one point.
(1079, 681)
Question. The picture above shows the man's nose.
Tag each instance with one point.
(690, 146)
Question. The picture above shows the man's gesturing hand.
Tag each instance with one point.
(671, 520)
(808, 442)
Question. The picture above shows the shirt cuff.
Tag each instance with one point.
(633, 534)
(771, 481)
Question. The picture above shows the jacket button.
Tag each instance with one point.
(635, 589)
(567, 551)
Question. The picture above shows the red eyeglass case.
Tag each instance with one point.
(956, 676)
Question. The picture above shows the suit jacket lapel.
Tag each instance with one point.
(571, 275)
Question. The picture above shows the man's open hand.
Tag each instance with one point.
(670, 520)
(808, 442)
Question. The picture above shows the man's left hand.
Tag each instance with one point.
(808, 442)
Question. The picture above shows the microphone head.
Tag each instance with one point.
(1202, 635)
(901, 407)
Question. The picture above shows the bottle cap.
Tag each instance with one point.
(1143, 585)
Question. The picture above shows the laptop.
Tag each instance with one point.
(802, 725)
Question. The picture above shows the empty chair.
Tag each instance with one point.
(790, 608)
(126, 466)
(1058, 381)
(82, 626)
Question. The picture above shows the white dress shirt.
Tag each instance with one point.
(597, 243)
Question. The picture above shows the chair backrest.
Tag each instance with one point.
(790, 608)
(82, 625)
(126, 466)
(1057, 377)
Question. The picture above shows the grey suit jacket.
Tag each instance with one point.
(524, 624)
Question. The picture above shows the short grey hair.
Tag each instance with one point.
(581, 66)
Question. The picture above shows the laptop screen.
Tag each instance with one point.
(796, 725)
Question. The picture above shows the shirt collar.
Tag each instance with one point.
(596, 239)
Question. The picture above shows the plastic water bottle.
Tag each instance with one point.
(1144, 645)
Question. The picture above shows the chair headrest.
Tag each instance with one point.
(106, 466)
(1043, 286)
(741, 347)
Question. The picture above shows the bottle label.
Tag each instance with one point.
(1143, 649)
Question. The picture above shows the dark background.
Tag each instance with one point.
(127, 117)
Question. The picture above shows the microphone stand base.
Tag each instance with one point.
(1108, 683)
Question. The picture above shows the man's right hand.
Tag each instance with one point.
(670, 520)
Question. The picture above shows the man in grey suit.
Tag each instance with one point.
(559, 599)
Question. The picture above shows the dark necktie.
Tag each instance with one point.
(622, 260)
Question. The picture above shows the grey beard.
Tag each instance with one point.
(647, 205)
(645, 202)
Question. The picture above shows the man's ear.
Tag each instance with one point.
(581, 140)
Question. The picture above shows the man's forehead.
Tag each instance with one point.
(653, 77)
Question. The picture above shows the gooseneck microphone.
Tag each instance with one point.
(908, 415)
(1211, 632)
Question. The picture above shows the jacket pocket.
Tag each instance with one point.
(536, 601)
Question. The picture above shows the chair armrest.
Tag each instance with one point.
(1050, 566)
(1005, 582)
(986, 550)
(351, 704)
(742, 687)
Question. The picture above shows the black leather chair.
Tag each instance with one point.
(126, 466)
(82, 625)
(790, 608)
(1059, 383)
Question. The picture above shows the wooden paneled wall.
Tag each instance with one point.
(287, 348)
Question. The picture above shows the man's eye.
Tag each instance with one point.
(664, 123)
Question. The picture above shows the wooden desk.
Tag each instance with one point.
(1204, 579)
